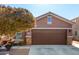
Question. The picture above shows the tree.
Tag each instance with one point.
(14, 20)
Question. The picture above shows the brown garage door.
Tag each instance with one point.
(49, 36)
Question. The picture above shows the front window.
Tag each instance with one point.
(49, 20)
(18, 35)
(75, 33)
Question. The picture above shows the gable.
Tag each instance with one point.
(75, 20)
(55, 15)
(56, 22)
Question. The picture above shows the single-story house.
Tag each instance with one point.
(75, 28)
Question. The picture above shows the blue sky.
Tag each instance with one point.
(68, 11)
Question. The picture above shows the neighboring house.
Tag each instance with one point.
(76, 28)
(51, 28)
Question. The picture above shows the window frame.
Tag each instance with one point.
(49, 19)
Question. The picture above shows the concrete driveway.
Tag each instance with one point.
(53, 50)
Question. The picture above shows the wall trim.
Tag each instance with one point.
(51, 28)
(70, 36)
(28, 36)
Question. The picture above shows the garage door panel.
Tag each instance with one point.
(48, 36)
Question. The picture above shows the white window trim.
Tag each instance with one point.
(48, 21)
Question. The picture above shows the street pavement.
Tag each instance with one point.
(4, 52)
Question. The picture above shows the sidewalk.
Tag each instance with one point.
(19, 50)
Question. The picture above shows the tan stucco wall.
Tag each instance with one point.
(76, 28)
